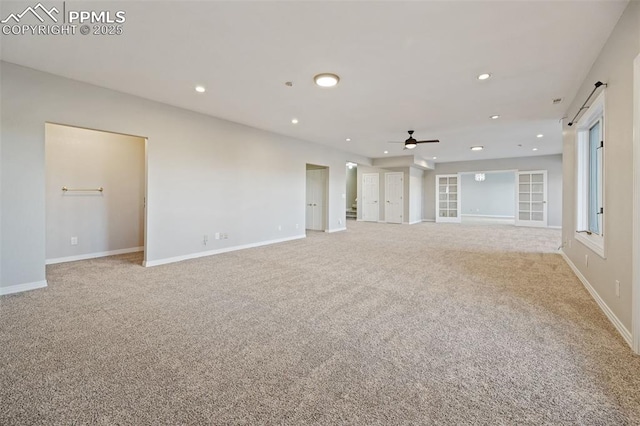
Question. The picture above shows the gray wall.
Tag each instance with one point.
(551, 163)
(614, 66)
(102, 221)
(495, 196)
(416, 177)
(205, 175)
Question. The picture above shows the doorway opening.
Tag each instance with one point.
(488, 197)
(351, 191)
(95, 193)
(316, 198)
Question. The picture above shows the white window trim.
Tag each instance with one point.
(594, 242)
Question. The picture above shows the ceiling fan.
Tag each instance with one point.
(412, 143)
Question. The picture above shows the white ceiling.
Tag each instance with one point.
(403, 65)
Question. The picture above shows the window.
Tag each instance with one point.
(590, 177)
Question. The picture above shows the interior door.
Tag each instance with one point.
(393, 206)
(315, 199)
(370, 195)
(531, 200)
(447, 198)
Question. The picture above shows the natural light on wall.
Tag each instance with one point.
(590, 173)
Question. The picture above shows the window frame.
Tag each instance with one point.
(593, 115)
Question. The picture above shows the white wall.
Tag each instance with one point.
(205, 175)
(551, 163)
(416, 177)
(102, 221)
(614, 66)
(495, 196)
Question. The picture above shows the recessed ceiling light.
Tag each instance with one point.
(348, 139)
(200, 89)
(535, 149)
(540, 135)
(435, 158)
(386, 152)
(494, 117)
(477, 148)
(326, 80)
(294, 120)
(484, 76)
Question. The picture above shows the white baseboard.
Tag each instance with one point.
(554, 227)
(93, 255)
(148, 263)
(331, 231)
(413, 222)
(492, 216)
(18, 288)
(626, 334)
(428, 220)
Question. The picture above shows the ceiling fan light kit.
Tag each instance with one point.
(412, 143)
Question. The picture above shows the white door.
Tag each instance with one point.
(315, 199)
(447, 198)
(531, 200)
(393, 197)
(370, 194)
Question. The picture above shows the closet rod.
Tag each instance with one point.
(584, 105)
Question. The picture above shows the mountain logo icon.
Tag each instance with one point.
(38, 11)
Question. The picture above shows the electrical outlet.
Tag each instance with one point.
(297, 226)
(617, 288)
(225, 236)
(74, 241)
(279, 227)
(217, 236)
(205, 239)
(339, 221)
(586, 260)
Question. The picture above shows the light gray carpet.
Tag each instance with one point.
(382, 324)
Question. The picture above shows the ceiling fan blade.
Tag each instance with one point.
(430, 141)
